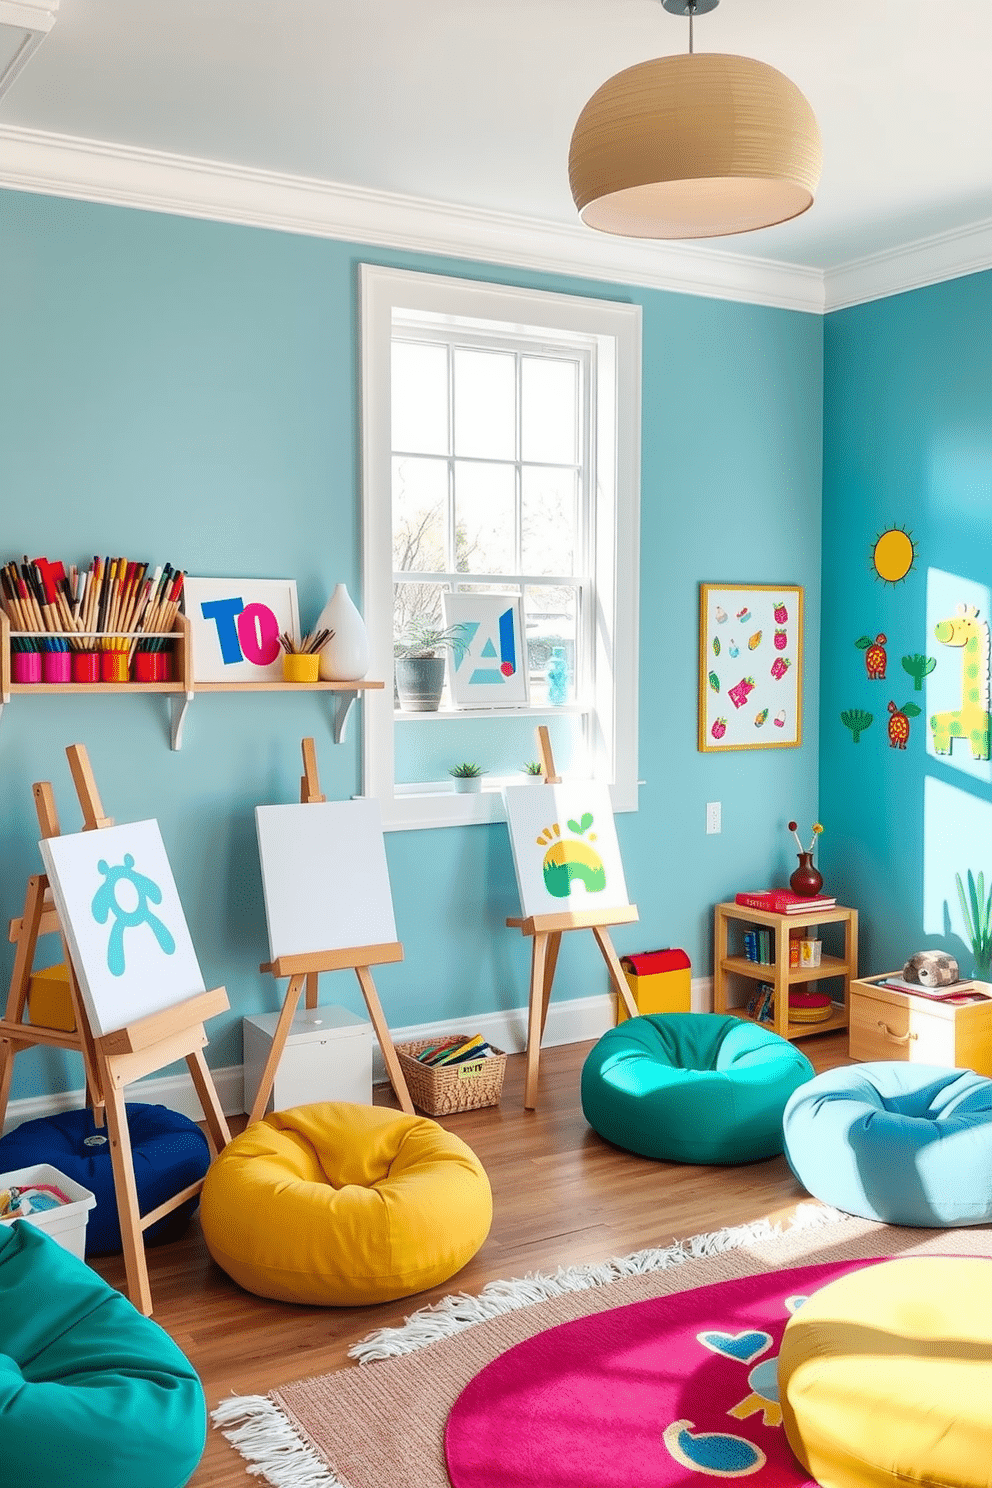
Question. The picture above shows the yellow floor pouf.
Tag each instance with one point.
(341, 1205)
(884, 1375)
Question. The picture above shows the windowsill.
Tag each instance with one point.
(435, 804)
(526, 710)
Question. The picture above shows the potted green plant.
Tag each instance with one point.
(976, 907)
(420, 654)
(533, 771)
(467, 777)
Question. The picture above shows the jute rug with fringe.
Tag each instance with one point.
(382, 1425)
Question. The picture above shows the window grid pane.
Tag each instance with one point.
(420, 399)
(509, 502)
(485, 404)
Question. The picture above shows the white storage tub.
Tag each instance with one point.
(67, 1222)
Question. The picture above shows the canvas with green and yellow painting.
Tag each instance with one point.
(565, 849)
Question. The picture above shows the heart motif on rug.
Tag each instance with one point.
(741, 1346)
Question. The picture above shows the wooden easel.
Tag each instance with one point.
(116, 1059)
(547, 931)
(304, 974)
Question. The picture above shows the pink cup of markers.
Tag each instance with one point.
(27, 666)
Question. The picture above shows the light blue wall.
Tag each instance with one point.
(909, 444)
(187, 391)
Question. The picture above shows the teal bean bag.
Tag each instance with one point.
(87, 1385)
(909, 1144)
(692, 1087)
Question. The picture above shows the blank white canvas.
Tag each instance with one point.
(564, 837)
(121, 913)
(324, 877)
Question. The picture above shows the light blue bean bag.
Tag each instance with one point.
(92, 1394)
(692, 1087)
(909, 1144)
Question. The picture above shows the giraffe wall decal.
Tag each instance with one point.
(971, 720)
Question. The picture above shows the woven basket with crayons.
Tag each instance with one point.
(457, 1073)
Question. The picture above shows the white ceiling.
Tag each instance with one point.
(471, 103)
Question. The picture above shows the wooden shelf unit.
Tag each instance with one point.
(181, 690)
(778, 973)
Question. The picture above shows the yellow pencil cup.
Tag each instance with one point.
(298, 668)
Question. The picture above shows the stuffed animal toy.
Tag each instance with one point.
(931, 969)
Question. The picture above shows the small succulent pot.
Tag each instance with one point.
(467, 778)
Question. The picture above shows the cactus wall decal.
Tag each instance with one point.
(918, 667)
(857, 720)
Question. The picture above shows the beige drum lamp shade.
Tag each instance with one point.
(694, 146)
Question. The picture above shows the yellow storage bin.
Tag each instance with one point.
(49, 1002)
(660, 981)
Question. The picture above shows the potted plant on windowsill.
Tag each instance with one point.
(420, 656)
(467, 777)
(532, 772)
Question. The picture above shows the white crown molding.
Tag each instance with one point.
(87, 170)
(947, 255)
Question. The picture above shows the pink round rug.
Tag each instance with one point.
(671, 1391)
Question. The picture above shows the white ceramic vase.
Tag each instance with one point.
(345, 658)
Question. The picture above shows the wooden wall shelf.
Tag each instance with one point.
(181, 691)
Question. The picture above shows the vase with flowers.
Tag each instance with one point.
(806, 879)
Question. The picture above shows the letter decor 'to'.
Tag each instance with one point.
(244, 632)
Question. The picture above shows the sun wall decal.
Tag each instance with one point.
(893, 555)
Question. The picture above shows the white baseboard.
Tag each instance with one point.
(575, 1022)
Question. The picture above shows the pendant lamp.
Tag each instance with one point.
(699, 145)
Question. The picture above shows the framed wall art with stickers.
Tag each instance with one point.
(750, 666)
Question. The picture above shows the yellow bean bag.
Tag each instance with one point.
(344, 1204)
(884, 1376)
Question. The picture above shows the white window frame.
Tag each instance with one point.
(613, 329)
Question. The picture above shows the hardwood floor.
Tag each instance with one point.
(562, 1196)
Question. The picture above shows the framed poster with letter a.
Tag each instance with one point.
(489, 668)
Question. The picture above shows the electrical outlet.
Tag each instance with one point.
(713, 812)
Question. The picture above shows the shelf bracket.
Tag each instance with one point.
(180, 707)
(343, 704)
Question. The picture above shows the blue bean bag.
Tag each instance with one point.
(692, 1087)
(87, 1385)
(909, 1144)
(170, 1152)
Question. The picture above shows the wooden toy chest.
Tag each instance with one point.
(889, 1024)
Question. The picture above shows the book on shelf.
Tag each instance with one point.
(783, 901)
(761, 1004)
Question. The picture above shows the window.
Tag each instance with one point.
(501, 434)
